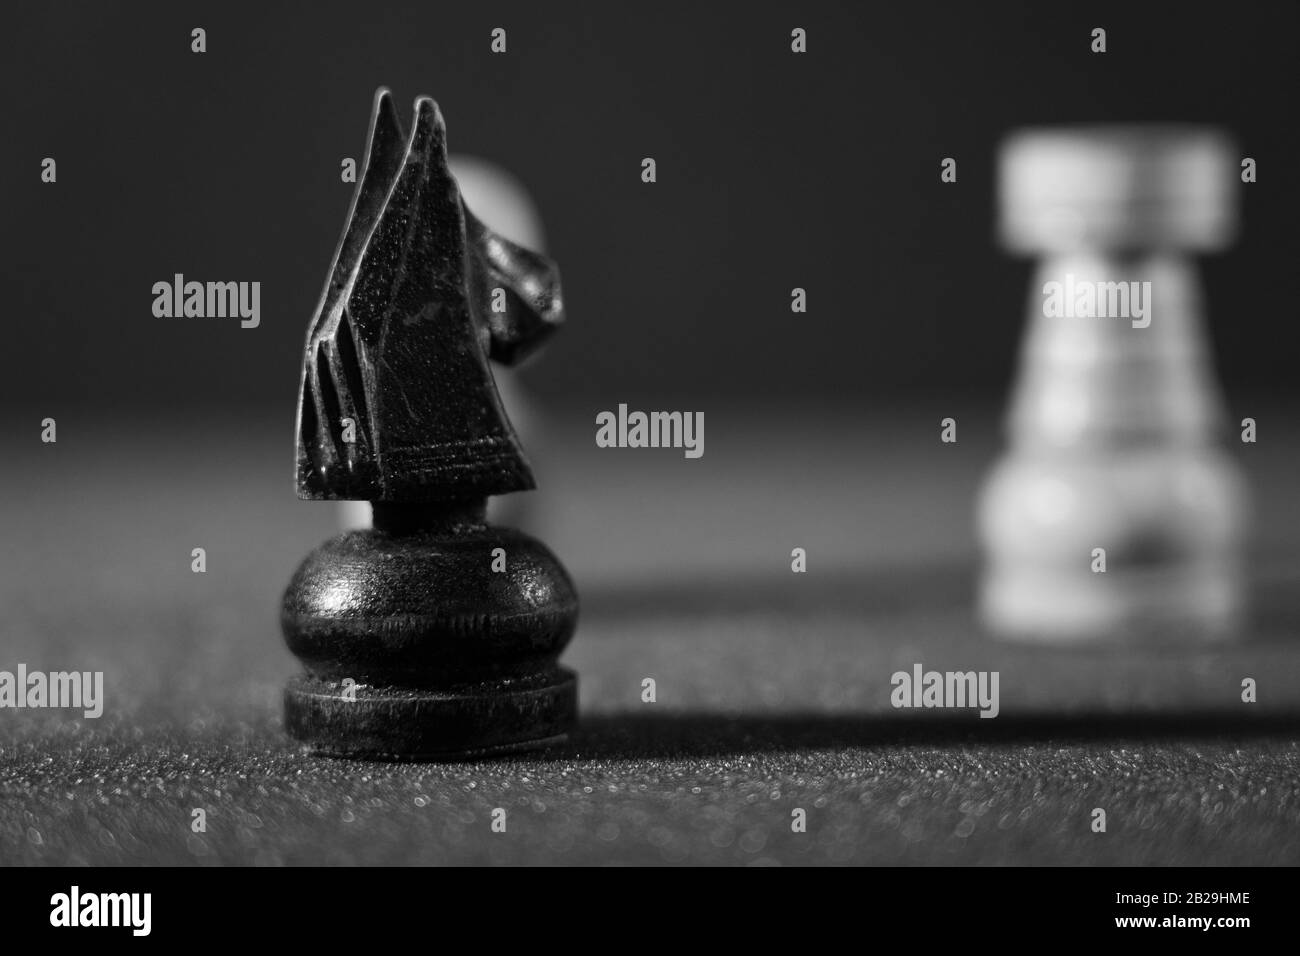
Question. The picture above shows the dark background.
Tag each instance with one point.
(775, 171)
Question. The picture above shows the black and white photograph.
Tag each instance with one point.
(359, 510)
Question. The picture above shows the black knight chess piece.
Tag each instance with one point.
(433, 635)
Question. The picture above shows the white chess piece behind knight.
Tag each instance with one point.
(503, 205)
(1115, 512)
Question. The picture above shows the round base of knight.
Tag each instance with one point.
(488, 719)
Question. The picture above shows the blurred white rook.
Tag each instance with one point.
(1115, 414)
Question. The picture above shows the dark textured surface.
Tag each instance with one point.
(700, 790)
(772, 688)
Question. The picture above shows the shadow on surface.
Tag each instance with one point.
(945, 588)
(703, 735)
(946, 585)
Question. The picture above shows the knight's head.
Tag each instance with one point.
(397, 400)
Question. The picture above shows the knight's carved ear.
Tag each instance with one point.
(384, 152)
(385, 147)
